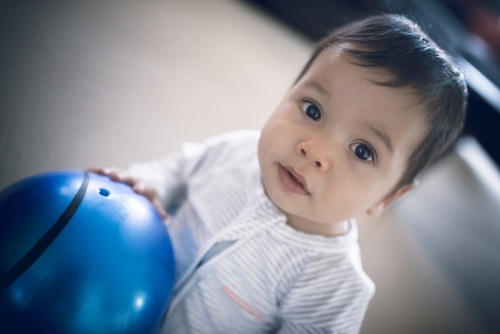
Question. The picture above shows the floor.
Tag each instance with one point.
(109, 83)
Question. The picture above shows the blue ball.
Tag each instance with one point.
(80, 253)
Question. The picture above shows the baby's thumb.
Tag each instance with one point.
(151, 194)
(159, 207)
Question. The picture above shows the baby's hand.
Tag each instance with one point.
(137, 185)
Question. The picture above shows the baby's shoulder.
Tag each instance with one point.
(234, 139)
(231, 149)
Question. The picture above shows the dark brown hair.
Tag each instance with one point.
(398, 46)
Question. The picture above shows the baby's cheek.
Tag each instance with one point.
(341, 205)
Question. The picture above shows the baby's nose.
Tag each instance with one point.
(315, 154)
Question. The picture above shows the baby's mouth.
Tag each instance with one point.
(292, 181)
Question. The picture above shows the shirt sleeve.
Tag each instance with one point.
(326, 298)
(168, 176)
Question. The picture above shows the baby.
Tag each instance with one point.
(262, 223)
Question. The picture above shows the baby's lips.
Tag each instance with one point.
(292, 183)
(298, 176)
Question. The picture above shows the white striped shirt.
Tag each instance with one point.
(240, 267)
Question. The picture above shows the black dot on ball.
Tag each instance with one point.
(104, 192)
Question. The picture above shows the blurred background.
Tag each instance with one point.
(108, 83)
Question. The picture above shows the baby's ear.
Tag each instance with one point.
(377, 209)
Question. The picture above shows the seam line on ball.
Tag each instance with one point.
(46, 240)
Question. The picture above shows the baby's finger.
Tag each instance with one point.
(148, 191)
(140, 188)
(151, 194)
(106, 171)
(124, 177)
(97, 170)
(114, 175)
(159, 207)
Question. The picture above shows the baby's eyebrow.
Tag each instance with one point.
(385, 138)
(316, 86)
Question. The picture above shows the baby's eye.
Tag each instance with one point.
(311, 110)
(363, 152)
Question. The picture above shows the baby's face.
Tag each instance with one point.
(337, 144)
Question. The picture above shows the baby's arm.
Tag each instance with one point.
(161, 181)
